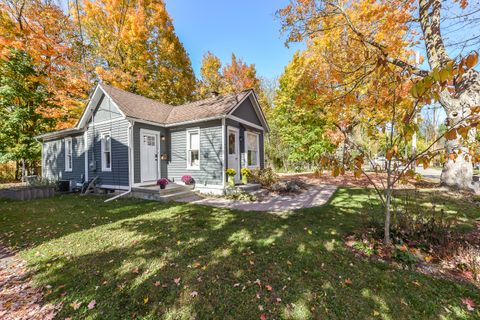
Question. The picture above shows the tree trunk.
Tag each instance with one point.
(456, 173)
(388, 204)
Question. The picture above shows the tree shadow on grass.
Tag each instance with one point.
(25, 224)
(240, 264)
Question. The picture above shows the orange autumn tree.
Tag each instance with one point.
(382, 26)
(358, 73)
(134, 47)
(43, 31)
(235, 76)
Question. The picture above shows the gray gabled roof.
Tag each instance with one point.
(139, 107)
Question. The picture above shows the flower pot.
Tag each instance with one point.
(162, 186)
(245, 179)
(231, 181)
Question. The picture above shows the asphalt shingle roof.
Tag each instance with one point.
(136, 106)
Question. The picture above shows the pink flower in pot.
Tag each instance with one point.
(162, 183)
(188, 180)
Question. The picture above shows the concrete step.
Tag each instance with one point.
(170, 189)
(156, 196)
(251, 187)
(177, 195)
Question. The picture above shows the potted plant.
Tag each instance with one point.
(188, 180)
(246, 173)
(162, 183)
(231, 176)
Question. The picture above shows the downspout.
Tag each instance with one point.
(130, 164)
(224, 151)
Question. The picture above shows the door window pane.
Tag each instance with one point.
(231, 143)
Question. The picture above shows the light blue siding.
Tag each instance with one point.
(247, 112)
(136, 149)
(106, 110)
(243, 127)
(211, 153)
(53, 159)
(119, 176)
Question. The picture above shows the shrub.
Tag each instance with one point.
(365, 248)
(231, 172)
(162, 182)
(187, 179)
(242, 196)
(467, 258)
(266, 177)
(403, 255)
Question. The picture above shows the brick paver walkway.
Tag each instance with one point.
(314, 196)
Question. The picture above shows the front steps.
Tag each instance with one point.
(172, 192)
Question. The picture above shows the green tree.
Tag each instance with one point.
(298, 133)
(22, 98)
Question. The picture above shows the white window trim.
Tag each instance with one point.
(102, 147)
(68, 168)
(193, 130)
(246, 149)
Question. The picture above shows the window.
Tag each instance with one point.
(68, 154)
(106, 152)
(251, 147)
(193, 149)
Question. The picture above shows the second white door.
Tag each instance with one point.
(234, 151)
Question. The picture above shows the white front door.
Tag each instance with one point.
(234, 150)
(149, 151)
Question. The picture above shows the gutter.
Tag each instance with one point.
(130, 164)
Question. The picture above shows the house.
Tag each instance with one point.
(127, 140)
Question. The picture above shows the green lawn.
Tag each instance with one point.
(126, 251)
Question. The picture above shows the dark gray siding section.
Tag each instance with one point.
(136, 149)
(53, 159)
(243, 127)
(106, 110)
(211, 153)
(119, 176)
(247, 112)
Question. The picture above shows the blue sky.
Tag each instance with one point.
(248, 28)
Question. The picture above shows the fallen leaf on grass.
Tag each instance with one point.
(348, 281)
(157, 284)
(269, 287)
(469, 303)
(193, 294)
(428, 258)
(135, 270)
(145, 300)
(263, 317)
(75, 305)
(91, 305)
(177, 281)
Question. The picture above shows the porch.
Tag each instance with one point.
(172, 192)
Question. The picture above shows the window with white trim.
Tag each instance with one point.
(68, 154)
(252, 149)
(106, 152)
(193, 149)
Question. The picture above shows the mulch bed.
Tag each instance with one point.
(349, 180)
(19, 299)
